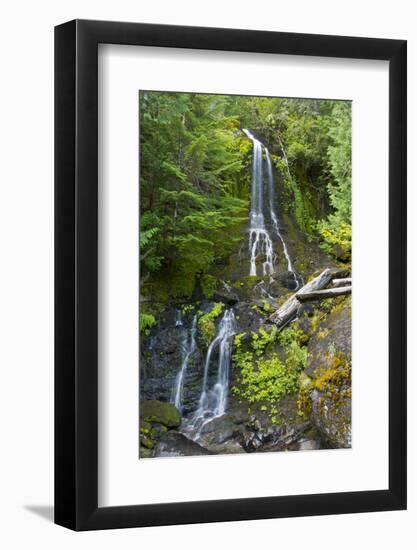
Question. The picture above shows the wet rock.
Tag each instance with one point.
(239, 415)
(219, 429)
(248, 318)
(161, 358)
(227, 296)
(305, 444)
(146, 441)
(176, 444)
(334, 336)
(288, 280)
(306, 309)
(329, 372)
(159, 412)
(280, 440)
(228, 447)
(261, 433)
(332, 417)
(145, 452)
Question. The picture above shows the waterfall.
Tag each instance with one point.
(226, 286)
(274, 219)
(260, 242)
(259, 239)
(178, 318)
(213, 401)
(188, 345)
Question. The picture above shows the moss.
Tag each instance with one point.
(334, 386)
(246, 283)
(158, 411)
(206, 322)
(323, 333)
(329, 380)
(339, 303)
(145, 452)
(147, 442)
(145, 427)
(303, 401)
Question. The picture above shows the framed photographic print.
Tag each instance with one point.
(230, 275)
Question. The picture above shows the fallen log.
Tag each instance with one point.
(321, 294)
(342, 282)
(289, 308)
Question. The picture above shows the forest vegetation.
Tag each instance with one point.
(196, 174)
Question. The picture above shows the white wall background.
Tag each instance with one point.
(26, 285)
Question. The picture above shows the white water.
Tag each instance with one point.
(213, 401)
(188, 345)
(226, 286)
(260, 242)
(264, 292)
(178, 318)
(259, 239)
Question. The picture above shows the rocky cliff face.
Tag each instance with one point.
(326, 387)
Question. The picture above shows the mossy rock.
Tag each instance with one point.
(326, 399)
(145, 453)
(145, 427)
(162, 413)
(331, 334)
(147, 442)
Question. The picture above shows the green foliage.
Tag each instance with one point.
(339, 155)
(150, 261)
(195, 175)
(265, 376)
(146, 322)
(264, 379)
(208, 285)
(194, 184)
(186, 308)
(262, 338)
(292, 340)
(335, 231)
(336, 239)
(267, 308)
(206, 322)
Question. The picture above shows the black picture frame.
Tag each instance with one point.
(76, 272)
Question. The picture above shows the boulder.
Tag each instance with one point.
(288, 280)
(334, 334)
(227, 448)
(329, 384)
(306, 444)
(226, 295)
(331, 414)
(159, 412)
(219, 429)
(145, 452)
(176, 444)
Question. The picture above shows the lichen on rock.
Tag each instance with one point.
(325, 395)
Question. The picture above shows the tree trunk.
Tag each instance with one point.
(326, 293)
(342, 282)
(288, 310)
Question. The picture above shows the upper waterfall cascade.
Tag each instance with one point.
(260, 241)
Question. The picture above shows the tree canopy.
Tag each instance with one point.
(195, 174)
